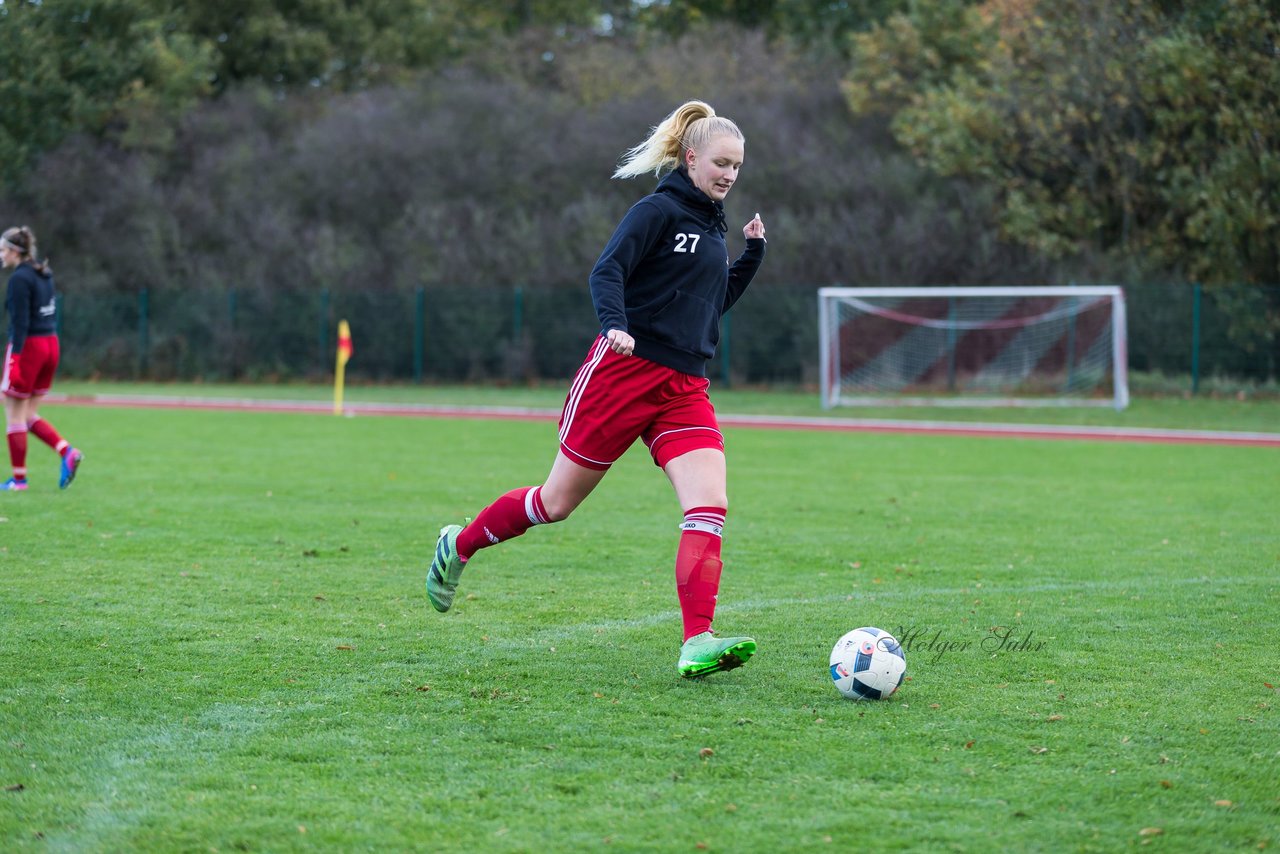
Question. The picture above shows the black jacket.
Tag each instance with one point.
(31, 306)
(665, 279)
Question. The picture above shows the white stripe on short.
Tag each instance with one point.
(580, 385)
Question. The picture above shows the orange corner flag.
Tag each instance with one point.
(344, 342)
(344, 353)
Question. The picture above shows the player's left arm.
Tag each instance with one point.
(744, 269)
(18, 301)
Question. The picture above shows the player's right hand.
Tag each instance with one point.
(620, 342)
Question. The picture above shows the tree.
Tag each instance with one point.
(128, 68)
(818, 23)
(94, 65)
(1148, 130)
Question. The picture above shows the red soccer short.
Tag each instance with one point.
(30, 373)
(615, 400)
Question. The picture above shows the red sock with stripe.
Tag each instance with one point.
(698, 568)
(17, 435)
(44, 431)
(505, 519)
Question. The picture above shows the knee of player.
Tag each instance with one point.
(557, 510)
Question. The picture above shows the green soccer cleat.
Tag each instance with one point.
(706, 653)
(446, 569)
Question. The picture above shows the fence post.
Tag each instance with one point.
(324, 329)
(724, 350)
(1071, 346)
(230, 365)
(419, 331)
(1195, 338)
(951, 344)
(517, 314)
(144, 305)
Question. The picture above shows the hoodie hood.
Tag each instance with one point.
(679, 185)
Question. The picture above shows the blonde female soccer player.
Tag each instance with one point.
(659, 288)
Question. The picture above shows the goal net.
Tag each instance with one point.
(996, 346)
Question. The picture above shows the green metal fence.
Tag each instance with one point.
(517, 334)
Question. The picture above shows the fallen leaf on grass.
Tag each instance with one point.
(1151, 831)
(968, 744)
(16, 787)
(705, 752)
(1054, 718)
(345, 647)
(1038, 750)
(1223, 803)
(1165, 784)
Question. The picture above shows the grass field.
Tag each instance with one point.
(217, 640)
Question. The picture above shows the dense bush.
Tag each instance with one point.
(271, 214)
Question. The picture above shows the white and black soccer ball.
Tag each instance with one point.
(867, 664)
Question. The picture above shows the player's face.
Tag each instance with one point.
(7, 256)
(714, 168)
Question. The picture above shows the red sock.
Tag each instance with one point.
(507, 518)
(18, 450)
(44, 431)
(698, 567)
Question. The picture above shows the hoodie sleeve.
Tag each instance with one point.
(637, 234)
(744, 270)
(18, 301)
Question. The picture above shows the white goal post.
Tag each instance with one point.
(973, 346)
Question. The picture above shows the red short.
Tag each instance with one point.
(615, 400)
(30, 373)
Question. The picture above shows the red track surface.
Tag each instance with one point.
(772, 422)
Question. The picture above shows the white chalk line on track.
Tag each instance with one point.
(773, 422)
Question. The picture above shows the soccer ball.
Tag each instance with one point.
(867, 664)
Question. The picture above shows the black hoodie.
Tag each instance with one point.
(664, 277)
(31, 306)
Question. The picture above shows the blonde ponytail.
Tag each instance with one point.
(691, 126)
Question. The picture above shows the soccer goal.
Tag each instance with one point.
(973, 346)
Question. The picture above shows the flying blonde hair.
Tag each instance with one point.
(691, 126)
